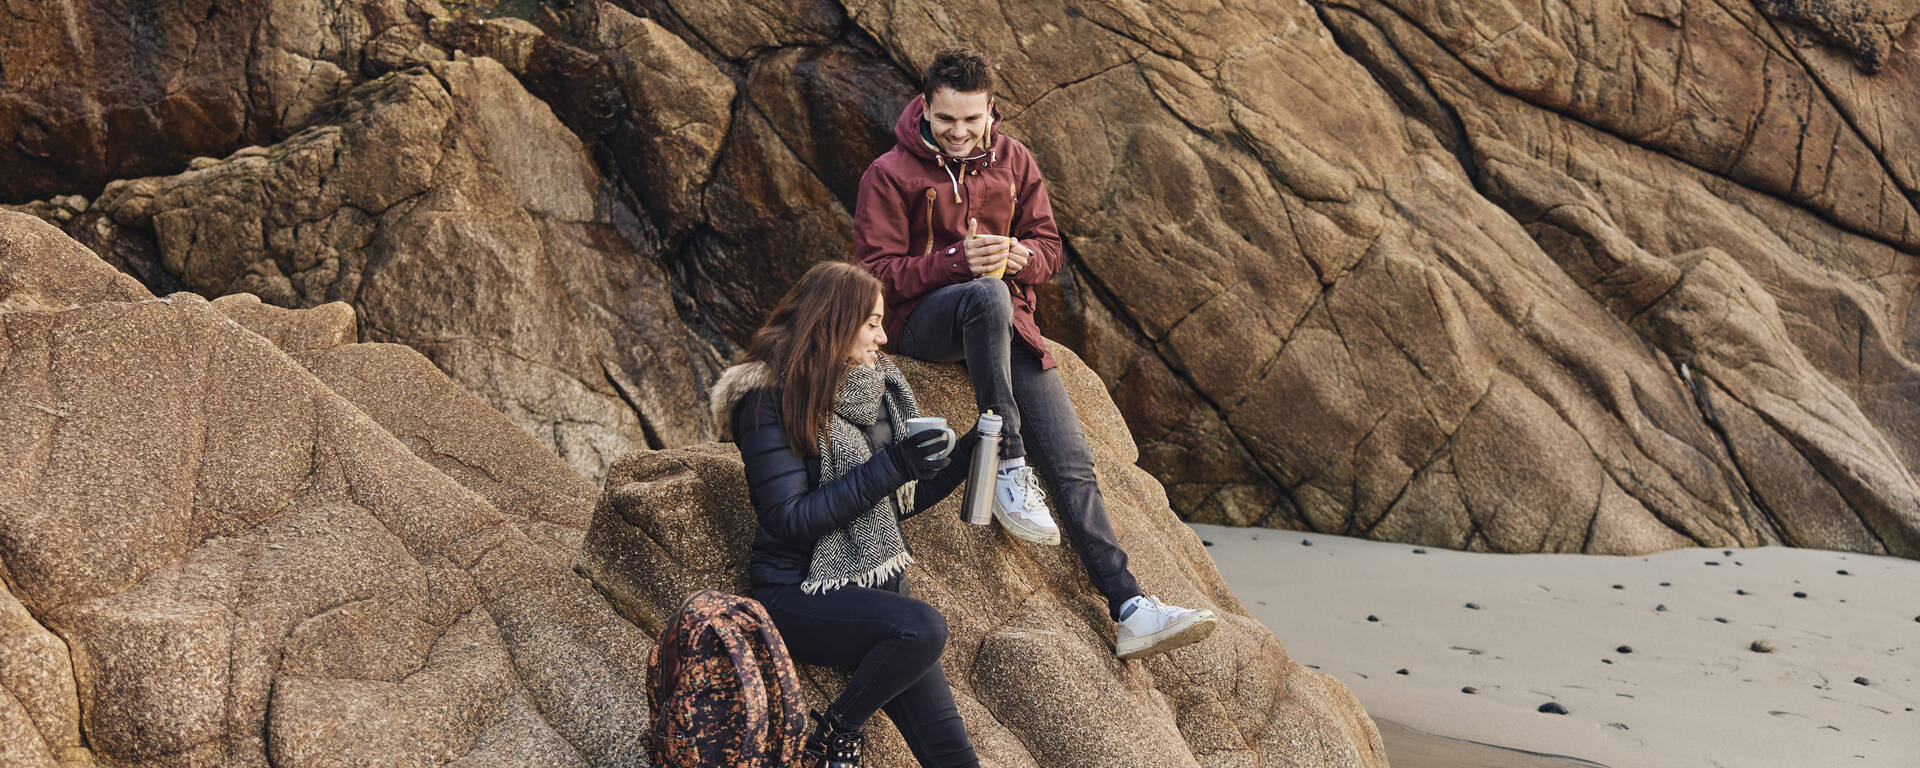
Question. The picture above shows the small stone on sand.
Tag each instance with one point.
(1205, 543)
(1473, 606)
(1306, 542)
(1713, 562)
(1619, 586)
(1553, 708)
(1721, 619)
(1661, 607)
(1470, 690)
(1624, 649)
(1739, 591)
(1843, 572)
(1419, 550)
(1762, 646)
(1861, 681)
(1801, 595)
(1403, 671)
(1371, 617)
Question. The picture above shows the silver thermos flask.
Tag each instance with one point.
(977, 506)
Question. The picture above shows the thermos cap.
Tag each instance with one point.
(989, 424)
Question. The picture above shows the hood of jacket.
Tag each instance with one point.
(907, 132)
(734, 384)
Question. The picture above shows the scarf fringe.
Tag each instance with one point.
(879, 574)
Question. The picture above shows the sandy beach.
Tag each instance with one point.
(1652, 659)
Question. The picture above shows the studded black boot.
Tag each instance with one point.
(832, 747)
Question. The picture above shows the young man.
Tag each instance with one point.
(955, 221)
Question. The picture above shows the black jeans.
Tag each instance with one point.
(893, 642)
(973, 322)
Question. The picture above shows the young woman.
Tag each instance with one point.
(819, 415)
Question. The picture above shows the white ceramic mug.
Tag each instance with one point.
(925, 423)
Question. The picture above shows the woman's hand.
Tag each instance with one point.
(920, 454)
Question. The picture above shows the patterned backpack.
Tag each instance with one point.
(722, 689)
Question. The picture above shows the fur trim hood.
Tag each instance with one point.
(734, 384)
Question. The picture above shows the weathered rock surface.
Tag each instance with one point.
(1378, 267)
(1313, 263)
(94, 91)
(211, 557)
(457, 216)
(1029, 648)
(231, 535)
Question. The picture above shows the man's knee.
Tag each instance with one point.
(988, 300)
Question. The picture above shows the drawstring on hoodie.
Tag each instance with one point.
(940, 160)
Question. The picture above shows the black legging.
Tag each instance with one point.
(893, 642)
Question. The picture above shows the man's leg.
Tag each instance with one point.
(972, 321)
(1059, 450)
(1146, 625)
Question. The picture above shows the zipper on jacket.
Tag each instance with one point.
(1013, 208)
(931, 196)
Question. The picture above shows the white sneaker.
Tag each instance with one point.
(1149, 626)
(1020, 505)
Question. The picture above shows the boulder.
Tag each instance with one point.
(1372, 267)
(219, 559)
(142, 89)
(1030, 648)
(230, 534)
(1784, 333)
(1305, 270)
(490, 247)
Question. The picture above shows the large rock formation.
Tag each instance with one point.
(1029, 649)
(231, 536)
(1423, 271)
(210, 556)
(457, 215)
(97, 90)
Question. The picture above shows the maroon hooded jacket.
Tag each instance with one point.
(910, 225)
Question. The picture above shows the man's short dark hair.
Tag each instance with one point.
(962, 69)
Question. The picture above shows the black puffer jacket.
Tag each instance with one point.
(794, 509)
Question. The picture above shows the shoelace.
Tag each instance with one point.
(1029, 482)
(1152, 603)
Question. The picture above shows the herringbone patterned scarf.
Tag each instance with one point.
(869, 549)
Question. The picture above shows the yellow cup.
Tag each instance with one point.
(1000, 271)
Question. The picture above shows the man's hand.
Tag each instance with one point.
(1017, 256)
(984, 252)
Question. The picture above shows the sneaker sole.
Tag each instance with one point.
(1020, 530)
(1180, 634)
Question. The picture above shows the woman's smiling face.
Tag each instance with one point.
(871, 337)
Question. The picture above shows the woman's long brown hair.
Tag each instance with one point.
(807, 340)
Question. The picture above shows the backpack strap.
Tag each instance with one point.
(746, 669)
(788, 723)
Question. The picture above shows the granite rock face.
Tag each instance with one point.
(1387, 268)
(1029, 649)
(231, 535)
(95, 91)
(457, 216)
(1357, 267)
(213, 557)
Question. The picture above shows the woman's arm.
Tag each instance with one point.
(783, 497)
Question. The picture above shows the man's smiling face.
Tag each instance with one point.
(958, 120)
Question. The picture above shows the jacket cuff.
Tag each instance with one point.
(951, 261)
